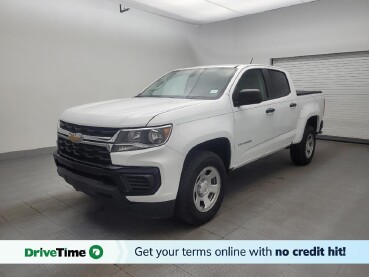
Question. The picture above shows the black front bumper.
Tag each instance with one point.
(113, 183)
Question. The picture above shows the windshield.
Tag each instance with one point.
(197, 83)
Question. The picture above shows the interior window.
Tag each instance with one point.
(253, 79)
(279, 84)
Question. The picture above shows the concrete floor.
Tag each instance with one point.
(268, 199)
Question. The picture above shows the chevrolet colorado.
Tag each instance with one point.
(168, 150)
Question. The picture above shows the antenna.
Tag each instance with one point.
(252, 60)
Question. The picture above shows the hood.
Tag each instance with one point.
(130, 112)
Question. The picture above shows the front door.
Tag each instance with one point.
(253, 124)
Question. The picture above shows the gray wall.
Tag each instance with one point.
(326, 26)
(61, 53)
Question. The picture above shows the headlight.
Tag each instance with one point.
(136, 139)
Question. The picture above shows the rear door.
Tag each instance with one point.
(282, 103)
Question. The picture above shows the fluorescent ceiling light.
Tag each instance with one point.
(197, 11)
(205, 11)
(255, 6)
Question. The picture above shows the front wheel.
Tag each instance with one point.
(201, 188)
(303, 152)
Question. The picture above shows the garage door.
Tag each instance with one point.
(344, 78)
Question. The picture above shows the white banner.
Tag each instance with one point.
(184, 252)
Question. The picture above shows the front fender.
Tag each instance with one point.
(190, 134)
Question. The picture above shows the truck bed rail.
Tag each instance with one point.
(307, 92)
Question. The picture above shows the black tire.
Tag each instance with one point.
(185, 208)
(298, 152)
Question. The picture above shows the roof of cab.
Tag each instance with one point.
(229, 66)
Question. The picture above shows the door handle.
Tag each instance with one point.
(270, 110)
(292, 105)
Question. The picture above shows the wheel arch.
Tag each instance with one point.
(221, 146)
(312, 119)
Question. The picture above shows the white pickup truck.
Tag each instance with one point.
(168, 150)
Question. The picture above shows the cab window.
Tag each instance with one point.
(279, 86)
(252, 79)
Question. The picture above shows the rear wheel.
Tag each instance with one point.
(303, 152)
(201, 188)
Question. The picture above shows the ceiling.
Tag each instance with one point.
(206, 11)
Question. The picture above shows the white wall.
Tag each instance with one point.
(61, 53)
(325, 26)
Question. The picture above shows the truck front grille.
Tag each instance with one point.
(84, 152)
(89, 130)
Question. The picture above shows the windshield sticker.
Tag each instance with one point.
(214, 91)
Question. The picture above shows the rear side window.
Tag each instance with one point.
(279, 84)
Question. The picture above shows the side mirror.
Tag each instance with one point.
(247, 97)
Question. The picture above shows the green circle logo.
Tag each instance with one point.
(96, 252)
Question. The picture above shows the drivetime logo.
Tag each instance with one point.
(95, 252)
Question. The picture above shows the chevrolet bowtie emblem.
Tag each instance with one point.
(75, 138)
